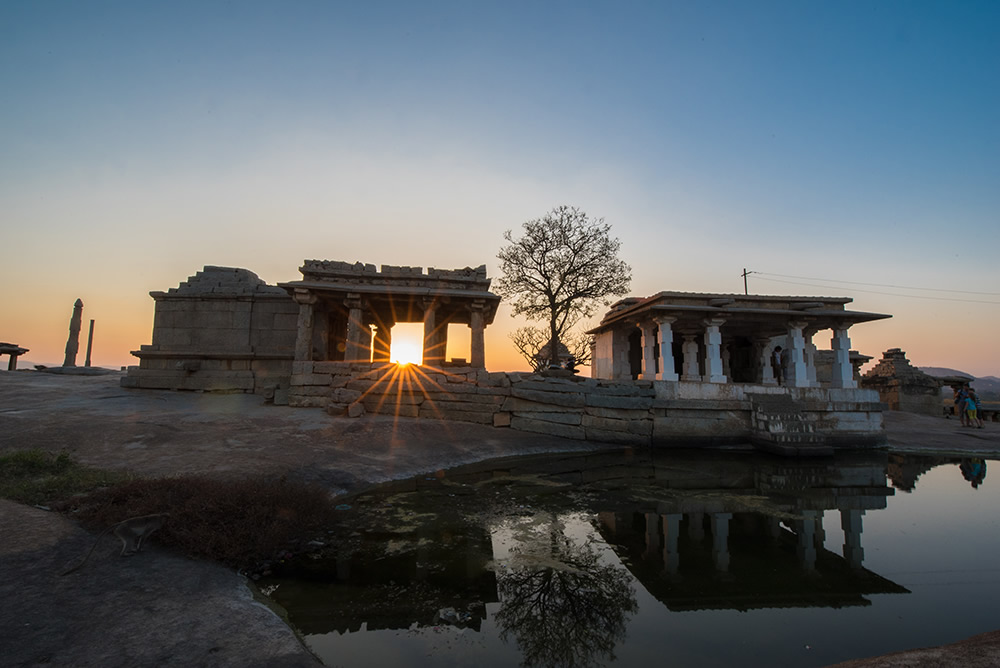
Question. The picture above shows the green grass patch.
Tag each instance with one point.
(37, 477)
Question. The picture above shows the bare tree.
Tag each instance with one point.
(561, 269)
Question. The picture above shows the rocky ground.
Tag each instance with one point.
(163, 609)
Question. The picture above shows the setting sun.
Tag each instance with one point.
(407, 343)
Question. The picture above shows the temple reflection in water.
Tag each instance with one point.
(698, 531)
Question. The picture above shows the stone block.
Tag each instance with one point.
(308, 379)
(559, 417)
(640, 427)
(435, 412)
(501, 419)
(571, 399)
(344, 396)
(355, 410)
(617, 437)
(549, 428)
(618, 413)
(629, 403)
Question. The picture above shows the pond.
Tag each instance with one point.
(635, 557)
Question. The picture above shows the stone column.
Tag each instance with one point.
(73, 342)
(433, 351)
(713, 352)
(720, 540)
(356, 336)
(383, 342)
(795, 369)
(809, 353)
(667, 367)
(762, 351)
(850, 522)
(689, 367)
(843, 370)
(648, 351)
(90, 344)
(304, 327)
(477, 323)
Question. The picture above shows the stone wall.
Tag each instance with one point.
(669, 414)
(223, 329)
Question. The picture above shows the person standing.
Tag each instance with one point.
(776, 359)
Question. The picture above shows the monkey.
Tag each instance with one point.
(130, 532)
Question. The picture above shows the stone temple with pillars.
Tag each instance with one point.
(674, 370)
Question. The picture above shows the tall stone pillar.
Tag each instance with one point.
(689, 367)
(795, 370)
(304, 327)
(843, 371)
(90, 344)
(805, 530)
(357, 351)
(648, 351)
(667, 368)
(73, 342)
(713, 352)
(477, 323)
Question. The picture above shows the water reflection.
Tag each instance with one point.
(543, 556)
(905, 469)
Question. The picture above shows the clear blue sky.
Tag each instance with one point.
(846, 141)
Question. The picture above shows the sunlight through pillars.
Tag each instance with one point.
(407, 343)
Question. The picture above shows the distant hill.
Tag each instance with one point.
(988, 387)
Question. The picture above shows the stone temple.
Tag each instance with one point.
(674, 369)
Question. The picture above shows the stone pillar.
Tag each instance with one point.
(720, 540)
(795, 369)
(762, 352)
(433, 350)
(304, 327)
(90, 343)
(667, 367)
(689, 367)
(73, 342)
(713, 352)
(620, 368)
(383, 342)
(671, 536)
(726, 355)
(357, 351)
(648, 351)
(809, 353)
(850, 521)
(477, 323)
(843, 371)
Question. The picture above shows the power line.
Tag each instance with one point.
(879, 285)
(889, 294)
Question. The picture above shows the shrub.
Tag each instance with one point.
(241, 523)
(38, 477)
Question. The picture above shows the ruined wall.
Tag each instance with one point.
(671, 414)
(223, 329)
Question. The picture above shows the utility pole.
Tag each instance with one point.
(746, 273)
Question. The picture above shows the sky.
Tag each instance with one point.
(840, 148)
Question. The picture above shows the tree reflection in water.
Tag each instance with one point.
(560, 603)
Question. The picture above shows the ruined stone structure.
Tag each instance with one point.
(347, 311)
(904, 387)
(225, 329)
